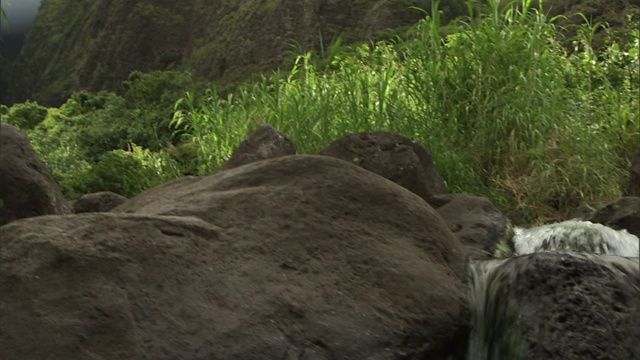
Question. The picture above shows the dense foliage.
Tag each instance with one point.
(94, 45)
(508, 111)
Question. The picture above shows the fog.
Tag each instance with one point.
(20, 16)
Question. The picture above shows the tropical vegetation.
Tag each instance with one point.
(510, 110)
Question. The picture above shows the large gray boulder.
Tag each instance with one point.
(298, 257)
(27, 188)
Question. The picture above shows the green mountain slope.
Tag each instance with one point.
(95, 44)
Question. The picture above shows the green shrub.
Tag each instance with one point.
(120, 172)
(25, 116)
(152, 96)
(105, 121)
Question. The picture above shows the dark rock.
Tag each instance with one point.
(620, 214)
(583, 212)
(633, 186)
(477, 223)
(26, 187)
(560, 306)
(303, 257)
(264, 143)
(97, 202)
(392, 156)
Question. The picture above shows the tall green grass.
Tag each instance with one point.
(506, 111)
(525, 120)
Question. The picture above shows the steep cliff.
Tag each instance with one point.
(94, 45)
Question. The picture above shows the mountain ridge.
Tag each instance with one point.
(95, 45)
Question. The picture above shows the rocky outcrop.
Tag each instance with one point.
(583, 212)
(297, 257)
(26, 187)
(557, 305)
(633, 185)
(623, 213)
(97, 202)
(477, 223)
(392, 156)
(264, 143)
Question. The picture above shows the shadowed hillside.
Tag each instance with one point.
(95, 45)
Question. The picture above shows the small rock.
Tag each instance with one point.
(633, 186)
(393, 156)
(264, 143)
(623, 213)
(97, 202)
(477, 223)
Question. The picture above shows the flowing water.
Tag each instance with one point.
(577, 236)
(493, 310)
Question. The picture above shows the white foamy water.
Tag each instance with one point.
(577, 236)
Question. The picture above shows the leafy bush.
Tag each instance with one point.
(152, 96)
(58, 147)
(79, 138)
(121, 172)
(25, 116)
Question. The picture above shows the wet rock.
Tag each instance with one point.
(392, 156)
(477, 223)
(633, 186)
(553, 305)
(623, 213)
(583, 212)
(304, 257)
(97, 202)
(27, 188)
(264, 143)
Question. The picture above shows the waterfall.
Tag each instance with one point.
(485, 285)
(577, 236)
(577, 247)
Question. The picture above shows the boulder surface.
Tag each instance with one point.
(392, 156)
(477, 223)
(26, 187)
(298, 257)
(623, 213)
(557, 305)
(97, 202)
(633, 185)
(264, 143)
